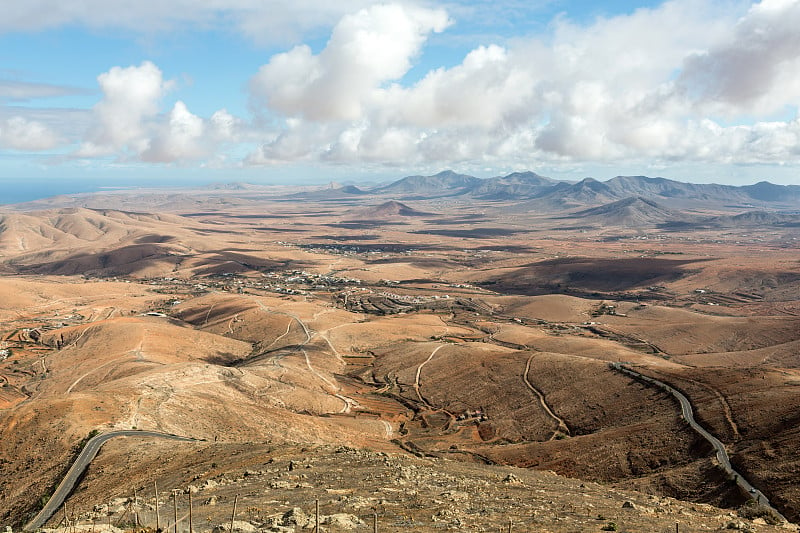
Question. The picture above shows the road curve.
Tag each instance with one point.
(719, 447)
(562, 426)
(419, 371)
(88, 453)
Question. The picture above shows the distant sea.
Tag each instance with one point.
(14, 191)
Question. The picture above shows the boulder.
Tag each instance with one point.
(342, 521)
(238, 525)
(295, 517)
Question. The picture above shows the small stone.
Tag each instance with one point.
(455, 495)
(512, 479)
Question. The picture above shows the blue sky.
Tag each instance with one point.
(260, 90)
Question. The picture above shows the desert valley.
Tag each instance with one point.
(436, 353)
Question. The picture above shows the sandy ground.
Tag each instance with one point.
(245, 326)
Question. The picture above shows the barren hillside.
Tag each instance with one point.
(255, 327)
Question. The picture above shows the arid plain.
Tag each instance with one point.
(428, 325)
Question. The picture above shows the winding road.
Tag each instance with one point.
(419, 371)
(561, 427)
(88, 453)
(719, 447)
(348, 403)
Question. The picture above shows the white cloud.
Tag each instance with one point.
(128, 123)
(224, 126)
(637, 87)
(180, 137)
(131, 96)
(366, 49)
(259, 20)
(755, 69)
(486, 90)
(696, 80)
(21, 91)
(19, 133)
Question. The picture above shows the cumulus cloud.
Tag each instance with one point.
(179, 137)
(686, 80)
(131, 96)
(755, 69)
(366, 49)
(19, 133)
(640, 86)
(128, 123)
(487, 89)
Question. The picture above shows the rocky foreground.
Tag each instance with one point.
(261, 488)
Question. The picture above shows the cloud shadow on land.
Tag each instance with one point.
(584, 275)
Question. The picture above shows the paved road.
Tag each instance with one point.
(88, 453)
(719, 447)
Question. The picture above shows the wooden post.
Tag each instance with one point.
(135, 508)
(233, 514)
(108, 513)
(676, 528)
(374, 522)
(175, 509)
(510, 524)
(316, 507)
(190, 512)
(66, 518)
(158, 519)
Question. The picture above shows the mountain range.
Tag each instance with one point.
(543, 193)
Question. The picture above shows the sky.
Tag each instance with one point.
(312, 91)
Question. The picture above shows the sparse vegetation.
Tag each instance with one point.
(752, 510)
(303, 339)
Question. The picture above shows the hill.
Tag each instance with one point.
(565, 196)
(387, 210)
(628, 212)
(755, 219)
(330, 193)
(446, 183)
(549, 195)
(664, 188)
(424, 495)
(517, 185)
(476, 334)
(769, 192)
(70, 228)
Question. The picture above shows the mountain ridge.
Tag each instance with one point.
(559, 194)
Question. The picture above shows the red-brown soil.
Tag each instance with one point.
(233, 320)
